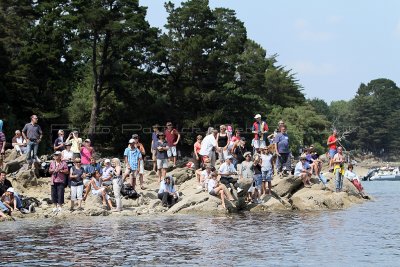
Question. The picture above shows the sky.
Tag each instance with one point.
(331, 46)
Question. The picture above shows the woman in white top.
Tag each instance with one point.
(354, 179)
(67, 154)
(117, 183)
(217, 189)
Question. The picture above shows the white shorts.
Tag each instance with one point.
(171, 152)
(99, 193)
(258, 143)
(76, 192)
(162, 164)
(141, 167)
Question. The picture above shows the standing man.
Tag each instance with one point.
(59, 142)
(172, 136)
(331, 143)
(260, 130)
(33, 135)
(132, 158)
(282, 150)
(2, 144)
(154, 141)
(338, 161)
(141, 165)
(209, 146)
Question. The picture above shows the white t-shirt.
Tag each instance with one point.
(225, 168)
(207, 145)
(298, 168)
(266, 162)
(66, 155)
(351, 175)
(211, 184)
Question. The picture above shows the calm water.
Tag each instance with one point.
(365, 235)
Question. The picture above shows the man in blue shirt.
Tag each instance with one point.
(282, 150)
(132, 156)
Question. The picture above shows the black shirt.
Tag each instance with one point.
(239, 152)
(4, 186)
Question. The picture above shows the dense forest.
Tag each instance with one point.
(99, 67)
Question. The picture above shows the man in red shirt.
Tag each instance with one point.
(172, 136)
(331, 143)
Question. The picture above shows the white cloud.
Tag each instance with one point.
(306, 67)
(307, 33)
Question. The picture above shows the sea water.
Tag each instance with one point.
(363, 235)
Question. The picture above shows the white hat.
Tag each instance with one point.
(131, 141)
(57, 153)
(87, 140)
(10, 189)
(257, 116)
(107, 161)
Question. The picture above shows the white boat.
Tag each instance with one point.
(385, 174)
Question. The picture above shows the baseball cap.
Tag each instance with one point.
(135, 136)
(257, 116)
(107, 161)
(10, 189)
(87, 140)
(131, 141)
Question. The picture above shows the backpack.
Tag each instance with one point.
(128, 192)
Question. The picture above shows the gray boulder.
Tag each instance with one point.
(287, 186)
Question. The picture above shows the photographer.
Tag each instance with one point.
(76, 144)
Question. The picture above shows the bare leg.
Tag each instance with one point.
(141, 181)
(222, 198)
(269, 188)
(133, 180)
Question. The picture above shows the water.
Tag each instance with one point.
(364, 235)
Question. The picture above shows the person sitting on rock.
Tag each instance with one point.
(303, 171)
(10, 201)
(167, 193)
(226, 170)
(19, 143)
(106, 173)
(216, 188)
(4, 185)
(354, 179)
(89, 171)
(100, 191)
(205, 175)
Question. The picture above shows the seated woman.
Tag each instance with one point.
(217, 189)
(167, 193)
(354, 179)
(205, 176)
(100, 191)
(10, 201)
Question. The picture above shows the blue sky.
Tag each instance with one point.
(332, 46)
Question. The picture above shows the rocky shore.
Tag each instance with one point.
(288, 194)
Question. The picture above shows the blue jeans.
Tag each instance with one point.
(18, 199)
(322, 179)
(3, 207)
(339, 180)
(32, 148)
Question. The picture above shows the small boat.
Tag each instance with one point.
(383, 174)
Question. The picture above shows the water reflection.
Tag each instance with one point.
(367, 234)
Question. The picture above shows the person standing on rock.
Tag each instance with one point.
(154, 140)
(140, 146)
(338, 169)
(172, 136)
(76, 142)
(222, 143)
(162, 156)
(117, 183)
(282, 151)
(87, 151)
(209, 146)
(2, 144)
(132, 158)
(77, 174)
(59, 171)
(332, 145)
(33, 135)
(59, 144)
(260, 130)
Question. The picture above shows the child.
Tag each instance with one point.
(266, 169)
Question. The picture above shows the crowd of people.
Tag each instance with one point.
(221, 159)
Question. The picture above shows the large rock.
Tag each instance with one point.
(26, 178)
(287, 185)
(181, 175)
(11, 154)
(271, 204)
(15, 165)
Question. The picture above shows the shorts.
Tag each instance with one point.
(212, 192)
(267, 176)
(171, 152)
(162, 164)
(99, 193)
(86, 182)
(258, 143)
(130, 173)
(332, 153)
(76, 192)
(258, 180)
